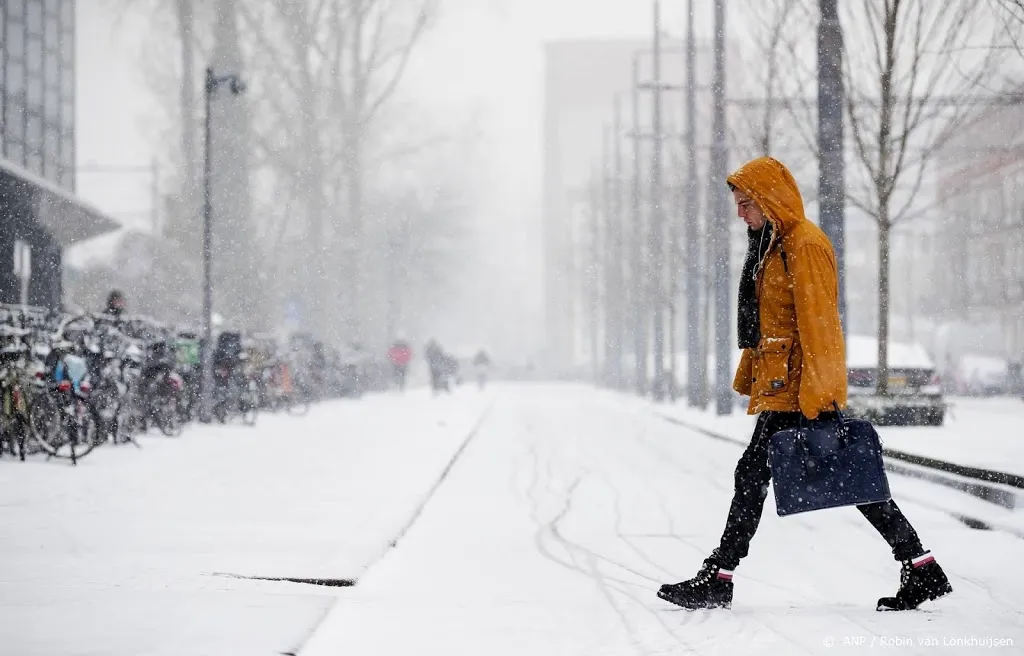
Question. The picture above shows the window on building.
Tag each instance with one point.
(51, 171)
(67, 159)
(34, 55)
(51, 143)
(34, 133)
(67, 46)
(35, 91)
(67, 178)
(34, 162)
(67, 84)
(52, 31)
(51, 104)
(67, 114)
(15, 8)
(34, 17)
(16, 152)
(51, 154)
(15, 38)
(67, 149)
(14, 117)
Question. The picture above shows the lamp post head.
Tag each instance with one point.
(233, 80)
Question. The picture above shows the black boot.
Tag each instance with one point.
(921, 580)
(711, 588)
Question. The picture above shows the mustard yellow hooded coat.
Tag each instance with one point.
(800, 361)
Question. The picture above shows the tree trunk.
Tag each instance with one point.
(352, 239)
(188, 99)
(314, 265)
(884, 233)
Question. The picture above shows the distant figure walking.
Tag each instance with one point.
(440, 369)
(482, 364)
(399, 354)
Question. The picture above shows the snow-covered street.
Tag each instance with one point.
(550, 534)
(126, 554)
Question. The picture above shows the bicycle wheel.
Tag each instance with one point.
(7, 437)
(63, 431)
(168, 418)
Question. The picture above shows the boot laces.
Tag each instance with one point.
(905, 573)
(703, 576)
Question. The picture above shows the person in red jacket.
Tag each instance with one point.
(399, 354)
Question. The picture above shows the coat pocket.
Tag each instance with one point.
(773, 370)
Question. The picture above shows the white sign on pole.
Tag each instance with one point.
(23, 267)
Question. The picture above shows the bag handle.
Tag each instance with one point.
(843, 430)
(803, 421)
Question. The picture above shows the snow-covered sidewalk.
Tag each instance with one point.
(983, 433)
(126, 553)
(571, 506)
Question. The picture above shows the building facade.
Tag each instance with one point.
(582, 81)
(979, 250)
(39, 214)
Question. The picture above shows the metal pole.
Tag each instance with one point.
(619, 249)
(639, 268)
(719, 225)
(696, 359)
(593, 255)
(673, 279)
(831, 174)
(611, 296)
(656, 229)
(154, 194)
(207, 353)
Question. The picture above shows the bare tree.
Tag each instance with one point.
(327, 71)
(420, 230)
(381, 36)
(181, 33)
(295, 69)
(907, 79)
(1011, 15)
(770, 66)
(323, 78)
(772, 113)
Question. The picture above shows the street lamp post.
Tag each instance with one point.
(718, 233)
(237, 87)
(656, 230)
(831, 173)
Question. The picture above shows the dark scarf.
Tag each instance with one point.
(748, 315)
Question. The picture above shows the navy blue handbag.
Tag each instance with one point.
(827, 464)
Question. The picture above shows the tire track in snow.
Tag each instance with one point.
(614, 584)
(605, 583)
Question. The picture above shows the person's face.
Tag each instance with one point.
(748, 210)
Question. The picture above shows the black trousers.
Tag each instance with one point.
(752, 477)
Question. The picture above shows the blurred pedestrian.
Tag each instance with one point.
(399, 354)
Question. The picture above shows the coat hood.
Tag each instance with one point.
(770, 184)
